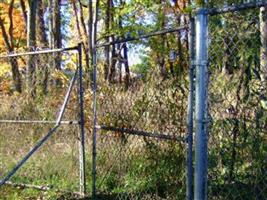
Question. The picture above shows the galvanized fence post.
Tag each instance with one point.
(81, 123)
(189, 163)
(200, 190)
(94, 123)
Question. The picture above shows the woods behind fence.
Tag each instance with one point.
(151, 100)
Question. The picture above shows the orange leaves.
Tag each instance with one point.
(4, 8)
(5, 86)
(18, 29)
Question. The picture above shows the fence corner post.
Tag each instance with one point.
(200, 182)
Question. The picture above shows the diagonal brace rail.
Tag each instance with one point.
(46, 137)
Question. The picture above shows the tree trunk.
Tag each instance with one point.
(90, 28)
(90, 39)
(50, 23)
(43, 42)
(82, 19)
(263, 50)
(10, 47)
(31, 43)
(180, 22)
(125, 55)
(107, 48)
(23, 9)
(112, 69)
(84, 37)
(16, 74)
(126, 65)
(57, 38)
(41, 33)
(77, 19)
(161, 58)
(96, 21)
(31, 25)
(119, 62)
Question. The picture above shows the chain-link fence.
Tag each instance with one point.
(142, 132)
(237, 129)
(139, 164)
(142, 126)
(43, 125)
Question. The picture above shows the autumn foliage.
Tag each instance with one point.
(14, 25)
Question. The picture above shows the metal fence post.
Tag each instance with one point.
(94, 124)
(189, 163)
(200, 190)
(81, 120)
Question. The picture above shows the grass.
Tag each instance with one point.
(132, 167)
(54, 164)
(19, 193)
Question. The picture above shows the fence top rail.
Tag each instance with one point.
(70, 122)
(234, 8)
(12, 55)
(144, 36)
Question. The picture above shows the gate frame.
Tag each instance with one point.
(58, 122)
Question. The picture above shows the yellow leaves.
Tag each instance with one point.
(59, 75)
(18, 24)
(4, 8)
(5, 86)
(70, 61)
(4, 68)
(5, 75)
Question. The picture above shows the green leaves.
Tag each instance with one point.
(264, 104)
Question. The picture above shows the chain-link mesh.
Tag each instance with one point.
(28, 117)
(139, 167)
(132, 162)
(237, 130)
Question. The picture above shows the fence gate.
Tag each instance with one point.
(55, 112)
